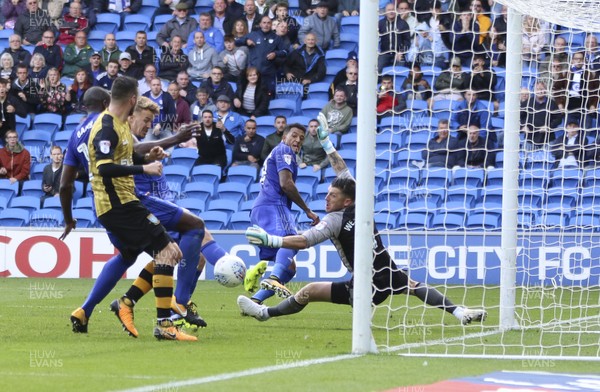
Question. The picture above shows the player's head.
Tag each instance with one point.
(341, 194)
(143, 114)
(96, 99)
(124, 92)
(293, 136)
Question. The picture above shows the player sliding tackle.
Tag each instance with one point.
(338, 226)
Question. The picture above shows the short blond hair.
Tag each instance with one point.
(145, 103)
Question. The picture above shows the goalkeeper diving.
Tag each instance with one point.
(338, 226)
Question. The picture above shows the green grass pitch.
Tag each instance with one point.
(38, 351)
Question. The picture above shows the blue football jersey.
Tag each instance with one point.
(282, 157)
(77, 150)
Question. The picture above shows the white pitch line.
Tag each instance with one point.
(243, 373)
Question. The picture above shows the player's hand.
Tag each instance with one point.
(314, 217)
(156, 154)
(153, 169)
(68, 227)
(187, 131)
(323, 134)
(257, 236)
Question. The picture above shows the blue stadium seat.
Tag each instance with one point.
(195, 206)
(350, 24)
(51, 202)
(203, 6)
(85, 203)
(85, 218)
(246, 205)
(306, 191)
(494, 177)
(61, 139)
(404, 177)
(592, 178)
(336, 58)
(224, 205)
(468, 177)
(566, 197)
(264, 125)
(36, 170)
(348, 141)
(6, 33)
(239, 220)
(464, 194)
(49, 122)
(242, 174)
(588, 221)
(393, 193)
(308, 176)
(160, 20)
(282, 107)
(127, 37)
(232, 191)
(321, 190)
(32, 188)
(385, 159)
(109, 23)
(384, 221)
(14, 217)
(318, 91)
(96, 39)
(184, 157)
(318, 207)
(530, 198)
(415, 220)
(29, 203)
(253, 190)
(566, 177)
(449, 220)
(290, 91)
(177, 174)
(137, 22)
(533, 179)
(148, 8)
(207, 173)
(312, 107)
(483, 221)
(394, 209)
(436, 177)
(349, 157)
(331, 73)
(443, 109)
(72, 121)
(215, 220)
(37, 138)
(201, 190)
(554, 221)
(417, 106)
(329, 174)
(8, 190)
(3, 203)
(349, 42)
(46, 217)
(409, 159)
(417, 141)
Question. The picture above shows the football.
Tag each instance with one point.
(230, 271)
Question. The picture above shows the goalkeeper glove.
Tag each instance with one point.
(257, 236)
(323, 134)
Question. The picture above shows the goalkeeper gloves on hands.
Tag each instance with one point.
(323, 134)
(257, 236)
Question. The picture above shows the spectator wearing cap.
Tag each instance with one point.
(202, 58)
(173, 61)
(71, 23)
(394, 41)
(182, 25)
(309, 7)
(32, 23)
(77, 54)
(52, 53)
(163, 124)
(110, 51)
(322, 25)
(168, 7)
(226, 119)
(341, 77)
(306, 64)
(216, 85)
(19, 54)
(94, 66)
(265, 46)
(125, 67)
(106, 79)
(141, 53)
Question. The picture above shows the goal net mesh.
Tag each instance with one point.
(439, 181)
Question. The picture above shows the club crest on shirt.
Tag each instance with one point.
(270, 40)
(104, 146)
(153, 219)
(287, 158)
(321, 225)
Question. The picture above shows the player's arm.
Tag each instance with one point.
(337, 162)
(315, 235)
(288, 186)
(185, 133)
(65, 191)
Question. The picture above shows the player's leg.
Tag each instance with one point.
(112, 271)
(312, 292)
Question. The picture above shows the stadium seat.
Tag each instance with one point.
(530, 198)
(195, 206)
(436, 177)
(3, 203)
(203, 6)
(14, 217)
(494, 177)
(37, 138)
(72, 121)
(443, 109)
(331, 73)
(409, 159)
(415, 220)
(321, 191)
(566, 197)
(127, 37)
(61, 139)
(215, 220)
(312, 107)
(234, 192)
(392, 208)
(385, 159)
(6, 33)
(466, 195)
(49, 122)
(319, 91)
(482, 221)
(240, 220)
(29, 203)
(329, 174)
(306, 191)
(308, 176)
(282, 107)
(184, 157)
(417, 141)
(246, 205)
(242, 174)
(148, 8)
(417, 106)
(587, 221)
(201, 190)
(136, 22)
(176, 173)
(404, 177)
(36, 171)
(85, 218)
(85, 203)
(348, 141)
(490, 207)
(159, 21)
(290, 91)
(318, 207)
(96, 39)
(224, 205)
(393, 193)
(264, 125)
(533, 179)
(336, 57)
(349, 157)
(388, 140)
(8, 190)
(207, 173)
(349, 42)
(46, 217)
(554, 221)
(109, 23)
(52, 202)
(566, 177)
(384, 221)
(468, 177)
(253, 190)
(449, 220)
(350, 25)
(32, 188)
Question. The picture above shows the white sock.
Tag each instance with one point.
(459, 312)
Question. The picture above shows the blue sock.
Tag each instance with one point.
(186, 270)
(262, 294)
(213, 252)
(281, 270)
(195, 282)
(109, 276)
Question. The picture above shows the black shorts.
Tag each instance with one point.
(385, 283)
(136, 230)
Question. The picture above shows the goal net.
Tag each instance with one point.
(451, 175)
